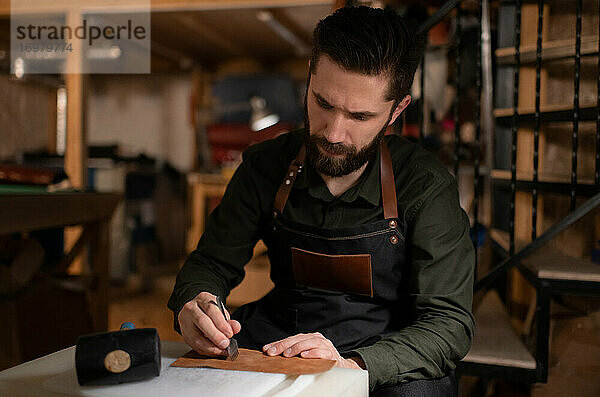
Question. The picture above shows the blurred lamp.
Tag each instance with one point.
(261, 116)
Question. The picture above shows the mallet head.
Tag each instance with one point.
(117, 357)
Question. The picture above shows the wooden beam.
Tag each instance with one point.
(76, 147)
(285, 20)
(205, 33)
(63, 6)
(4, 7)
(75, 154)
(66, 6)
(202, 5)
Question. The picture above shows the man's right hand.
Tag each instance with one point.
(204, 328)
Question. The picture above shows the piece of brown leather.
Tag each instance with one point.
(255, 361)
(284, 189)
(350, 274)
(388, 184)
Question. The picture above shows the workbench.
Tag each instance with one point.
(24, 209)
(54, 375)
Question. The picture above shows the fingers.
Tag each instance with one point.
(203, 326)
(278, 347)
(297, 344)
(208, 305)
(317, 353)
(197, 341)
(306, 345)
(235, 326)
(217, 321)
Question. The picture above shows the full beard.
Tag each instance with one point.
(349, 160)
(336, 166)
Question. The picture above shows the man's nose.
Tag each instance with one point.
(336, 129)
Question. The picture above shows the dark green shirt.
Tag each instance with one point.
(441, 255)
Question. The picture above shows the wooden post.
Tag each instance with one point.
(521, 293)
(98, 297)
(76, 147)
(75, 155)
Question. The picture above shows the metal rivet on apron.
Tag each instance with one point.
(274, 214)
(393, 224)
(287, 181)
(394, 240)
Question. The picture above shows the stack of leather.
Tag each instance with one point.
(12, 174)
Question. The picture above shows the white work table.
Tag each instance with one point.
(54, 375)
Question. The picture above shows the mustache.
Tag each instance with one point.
(335, 148)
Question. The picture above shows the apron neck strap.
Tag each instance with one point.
(286, 186)
(388, 185)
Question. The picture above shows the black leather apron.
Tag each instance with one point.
(344, 283)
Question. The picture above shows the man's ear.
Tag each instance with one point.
(400, 108)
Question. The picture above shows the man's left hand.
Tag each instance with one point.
(313, 345)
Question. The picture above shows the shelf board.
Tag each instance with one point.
(548, 113)
(542, 177)
(546, 182)
(551, 264)
(555, 49)
(496, 342)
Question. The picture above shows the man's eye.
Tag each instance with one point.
(359, 117)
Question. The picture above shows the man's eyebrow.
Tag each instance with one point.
(360, 113)
(320, 98)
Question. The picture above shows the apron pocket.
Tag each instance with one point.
(349, 274)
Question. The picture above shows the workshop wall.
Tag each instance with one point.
(24, 116)
(143, 114)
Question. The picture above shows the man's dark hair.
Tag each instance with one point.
(370, 41)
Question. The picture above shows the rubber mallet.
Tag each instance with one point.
(128, 355)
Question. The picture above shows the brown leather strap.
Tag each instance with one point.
(388, 184)
(286, 186)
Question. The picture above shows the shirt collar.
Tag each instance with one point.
(368, 186)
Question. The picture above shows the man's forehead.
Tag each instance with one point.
(334, 83)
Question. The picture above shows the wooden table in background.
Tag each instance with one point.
(257, 283)
(201, 187)
(38, 211)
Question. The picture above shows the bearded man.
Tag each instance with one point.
(369, 249)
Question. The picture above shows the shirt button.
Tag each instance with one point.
(394, 240)
(287, 181)
(393, 224)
